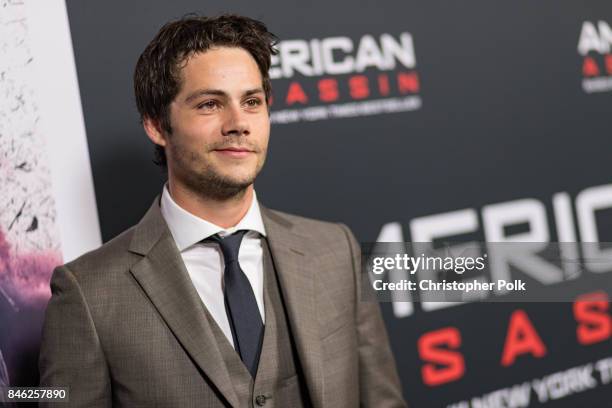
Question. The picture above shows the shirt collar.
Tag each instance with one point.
(188, 229)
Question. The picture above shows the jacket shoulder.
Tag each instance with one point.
(323, 231)
(112, 255)
(301, 222)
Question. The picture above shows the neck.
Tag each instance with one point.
(224, 213)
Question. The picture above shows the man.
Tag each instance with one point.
(213, 300)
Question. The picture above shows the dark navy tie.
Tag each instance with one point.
(240, 304)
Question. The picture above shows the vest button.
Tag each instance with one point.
(260, 400)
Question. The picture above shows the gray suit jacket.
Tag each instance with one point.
(125, 326)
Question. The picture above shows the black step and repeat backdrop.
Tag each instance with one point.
(412, 121)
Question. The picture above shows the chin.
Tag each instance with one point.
(242, 183)
(238, 177)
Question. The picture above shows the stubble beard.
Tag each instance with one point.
(205, 181)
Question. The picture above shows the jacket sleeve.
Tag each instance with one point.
(71, 355)
(379, 383)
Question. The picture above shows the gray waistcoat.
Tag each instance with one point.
(279, 381)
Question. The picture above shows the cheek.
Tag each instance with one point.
(262, 124)
(197, 132)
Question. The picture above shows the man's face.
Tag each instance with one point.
(220, 124)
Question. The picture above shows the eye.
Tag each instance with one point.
(208, 105)
(253, 102)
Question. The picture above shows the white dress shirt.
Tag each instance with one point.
(204, 261)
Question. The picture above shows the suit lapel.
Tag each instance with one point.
(162, 275)
(296, 266)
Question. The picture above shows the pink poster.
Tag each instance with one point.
(33, 178)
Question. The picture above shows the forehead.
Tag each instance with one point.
(220, 66)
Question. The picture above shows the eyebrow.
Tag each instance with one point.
(217, 92)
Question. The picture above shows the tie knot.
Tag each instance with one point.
(230, 245)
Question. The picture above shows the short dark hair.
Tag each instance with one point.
(157, 78)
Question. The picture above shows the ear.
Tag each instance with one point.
(154, 131)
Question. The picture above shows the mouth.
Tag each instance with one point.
(234, 152)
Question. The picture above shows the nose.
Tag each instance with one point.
(235, 122)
